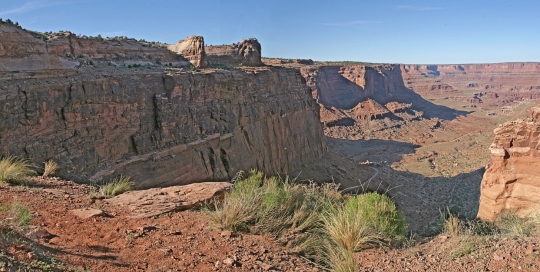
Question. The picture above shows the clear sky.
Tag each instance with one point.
(389, 31)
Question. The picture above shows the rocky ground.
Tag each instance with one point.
(59, 240)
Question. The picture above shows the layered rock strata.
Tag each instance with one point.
(160, 127)
(245, 53)
(512, 181)
(193, 49)
(22, 50)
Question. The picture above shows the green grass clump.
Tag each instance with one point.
(116, 186)
(380, 213)
(318, 220)
(15, 171)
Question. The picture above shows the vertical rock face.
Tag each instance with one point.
(513, 179)
(191, 48)
(66, 99)
(162, 129)
(246, 53)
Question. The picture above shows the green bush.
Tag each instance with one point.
(16, 171)
(380, 213)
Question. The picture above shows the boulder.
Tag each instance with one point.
(156, 201)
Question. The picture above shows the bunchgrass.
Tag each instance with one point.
(15, 171)
(16, 214)
(317, 219)
(49, 168)
(116, 186)
(451, 225)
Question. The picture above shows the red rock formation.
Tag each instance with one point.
(509, 82)
(246, 53)
(160, 128)
(512, 181)
(193, 49)
(21, 50)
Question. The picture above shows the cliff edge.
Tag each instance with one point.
(512, 181)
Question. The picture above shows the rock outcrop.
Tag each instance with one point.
(156, 201)
(246, 53)
(22, 50)
(193, 49)
(161, 128)
(512, 181)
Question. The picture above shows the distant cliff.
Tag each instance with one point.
(512, 181)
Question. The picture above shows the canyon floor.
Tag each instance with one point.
(57, 240)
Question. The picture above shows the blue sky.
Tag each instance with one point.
(423, 32)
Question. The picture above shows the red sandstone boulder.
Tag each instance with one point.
(155, 201)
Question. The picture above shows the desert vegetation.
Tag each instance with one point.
(317, 220)
(14, 170)
(112, 188)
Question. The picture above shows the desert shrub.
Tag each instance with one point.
(510, 223)
(451, 224)
(480, 228)
(15, 171)
(17, 214)
(339, 259)
(324, 225)
(380, 213)
(347, 229)
(116, 186)
(49, 168)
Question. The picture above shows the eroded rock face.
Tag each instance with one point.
(160, 128)
(193, 49)
(351, 97)
(246, 53)
(512, 181)
(21, 50)
(493, 85)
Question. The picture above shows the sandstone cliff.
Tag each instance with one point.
(351, 97)
(191, 48)
(512, 181)
(22, 50)
(494, 85)
(160, 127)
(246, 53)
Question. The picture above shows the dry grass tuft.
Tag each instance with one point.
(116, 186)
(50, 168)
(15, 171)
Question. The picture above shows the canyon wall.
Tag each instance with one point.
(512, 181)
(160, 127)
(493, 85)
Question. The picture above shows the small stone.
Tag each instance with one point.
(40, 233)
(266, 267)
(31, 256)
(166, 250)
(227, 234)
(87, 213)
(228, 262)
(217, 264)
